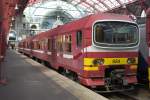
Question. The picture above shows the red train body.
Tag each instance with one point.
(148, 31)
(100, 50)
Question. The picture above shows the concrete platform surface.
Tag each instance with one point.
(29, 80)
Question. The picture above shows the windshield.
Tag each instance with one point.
(116, 34)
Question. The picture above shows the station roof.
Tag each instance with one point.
(100, 5)
(91, 5)
(72, 9)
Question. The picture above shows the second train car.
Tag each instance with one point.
(100, 50)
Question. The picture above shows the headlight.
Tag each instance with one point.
(131, 60)
(98, 61)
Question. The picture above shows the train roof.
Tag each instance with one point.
(88, 21)
(83, 23)
(29, 38)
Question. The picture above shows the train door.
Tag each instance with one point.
(78, 52)
(78, 44)
(30, 47)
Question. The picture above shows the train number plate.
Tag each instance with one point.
(116, 61)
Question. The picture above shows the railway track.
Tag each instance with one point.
(118, 96)
(139, 93)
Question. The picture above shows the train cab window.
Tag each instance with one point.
(115, 34)
(79, 38)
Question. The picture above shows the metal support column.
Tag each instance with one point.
(2, 51)
(148, 40)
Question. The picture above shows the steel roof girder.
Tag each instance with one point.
(119, 2)
(104, 4)
(112, 2)
(89, 4)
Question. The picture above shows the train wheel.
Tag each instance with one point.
(43, 62)
(76, 78)
(61, 71)
(39, 60)
(47, 64)
(73, 76)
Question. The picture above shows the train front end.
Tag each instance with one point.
(111, 61)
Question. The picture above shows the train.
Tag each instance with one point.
(98, 51)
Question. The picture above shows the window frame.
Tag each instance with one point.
(109, 45)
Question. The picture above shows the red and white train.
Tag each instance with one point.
(100, 50)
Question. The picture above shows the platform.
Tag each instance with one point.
(29, 80)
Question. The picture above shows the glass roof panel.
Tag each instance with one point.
(115, 2)
(96, 1)
(102, 6)
(78, 0)
(85, 4)
(90, 1)
(74, 2)
(126, 1)
(107, 2)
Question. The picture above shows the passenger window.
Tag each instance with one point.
(35, 45)
(38, 45)
(31, 45)
(59, 43)
(54, 44)
(68, 40)
(79, 38)
(49, 44)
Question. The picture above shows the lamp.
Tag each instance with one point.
(16, 7)
(12, 18)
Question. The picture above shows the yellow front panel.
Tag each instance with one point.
(91, 68)
(109, 61)
(149, 74)
(88, 61)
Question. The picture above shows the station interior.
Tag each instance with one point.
(70, 61)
